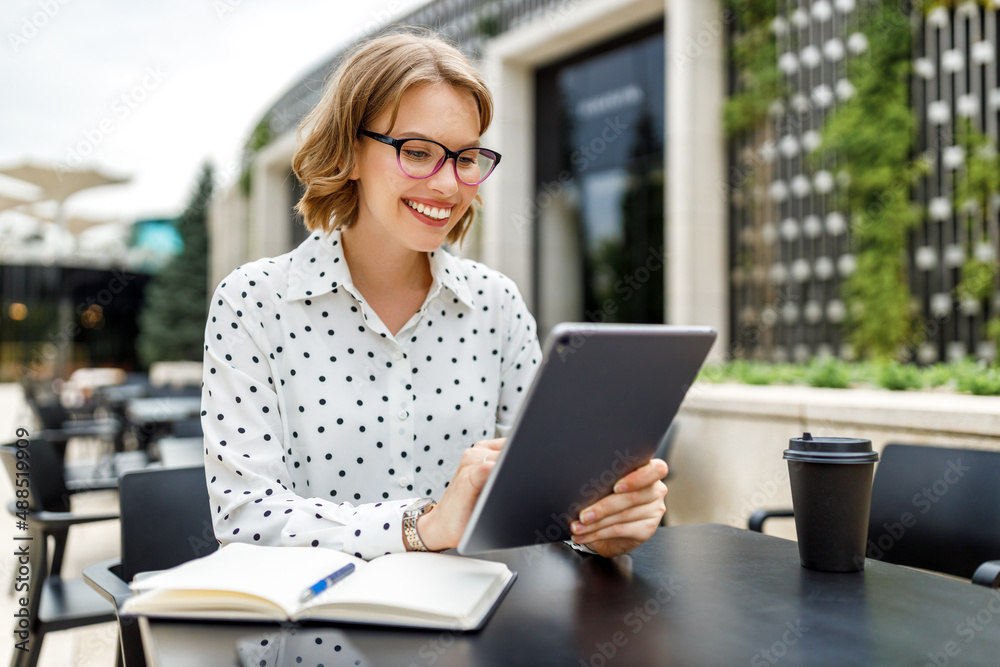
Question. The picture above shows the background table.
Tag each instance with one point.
(162, 410)
(693, 595)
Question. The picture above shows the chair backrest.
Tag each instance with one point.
(187, 428)
(170, 391)
(936, 508)
(166, 519)
(47, 490)
(50, 412)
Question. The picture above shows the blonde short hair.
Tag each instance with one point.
(370, 80)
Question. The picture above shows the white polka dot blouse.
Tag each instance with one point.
(321, 426)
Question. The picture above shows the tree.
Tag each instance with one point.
(172, 322)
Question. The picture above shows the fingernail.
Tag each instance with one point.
(621, 487)
(587, 517)
(577, 527)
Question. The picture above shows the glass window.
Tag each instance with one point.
(599, 193)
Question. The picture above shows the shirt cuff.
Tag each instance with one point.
(376, 529)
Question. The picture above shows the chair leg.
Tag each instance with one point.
(29, 657)
(58, 551)
(131, 641)
(32, 643)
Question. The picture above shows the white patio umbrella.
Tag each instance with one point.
(8, 201)
(77, 224)
(58, 183)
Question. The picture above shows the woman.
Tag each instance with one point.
(368, 371)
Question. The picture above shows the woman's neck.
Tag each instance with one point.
(380, 267)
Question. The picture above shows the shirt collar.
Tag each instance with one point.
(447, 272)
(318, 266)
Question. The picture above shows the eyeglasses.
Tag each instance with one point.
(422, 158)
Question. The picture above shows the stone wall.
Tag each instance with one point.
(726, 458)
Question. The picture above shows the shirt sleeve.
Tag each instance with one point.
(245, 464)
(521, 356)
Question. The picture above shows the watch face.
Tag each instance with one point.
(418, 506)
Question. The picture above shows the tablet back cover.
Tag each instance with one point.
(598, 408)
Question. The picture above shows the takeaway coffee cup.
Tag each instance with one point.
(831, 480)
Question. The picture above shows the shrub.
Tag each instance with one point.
(985, 382)
(899, 377)
(829, 372)
(938, 375)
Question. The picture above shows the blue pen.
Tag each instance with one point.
(326, 582)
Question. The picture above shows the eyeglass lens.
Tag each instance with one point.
(420, 159)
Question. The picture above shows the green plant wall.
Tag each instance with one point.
(873, 134)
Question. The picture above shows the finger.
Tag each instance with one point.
(494, 445)
(653, 509)
(640, 530)
(482, 452)
(652, 472)
(635, 531)
(617, 502)
(479, 474)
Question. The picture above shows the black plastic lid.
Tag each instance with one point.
(830, 450)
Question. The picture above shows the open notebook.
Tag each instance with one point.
(248, 582)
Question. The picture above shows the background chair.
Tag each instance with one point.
(934, 508)
(187, 428)
(165, 521)
(59, 423)
(53, 603)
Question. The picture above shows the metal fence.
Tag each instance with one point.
(955, 81)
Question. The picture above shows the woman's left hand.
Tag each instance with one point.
(629, 516)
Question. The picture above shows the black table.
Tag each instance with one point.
(694, 595)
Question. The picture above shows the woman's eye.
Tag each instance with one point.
(416, 155)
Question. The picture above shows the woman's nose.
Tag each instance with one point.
(445, 180)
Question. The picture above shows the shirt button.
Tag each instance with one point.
(403, 482)
(403, 414)
(397, 355)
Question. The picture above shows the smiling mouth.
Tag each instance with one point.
(429, 211)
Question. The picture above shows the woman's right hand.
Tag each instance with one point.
(442, 527)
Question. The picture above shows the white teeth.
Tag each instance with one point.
(429, 211)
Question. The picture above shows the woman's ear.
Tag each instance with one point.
(354, 175)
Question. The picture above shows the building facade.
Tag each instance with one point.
(609, 204)
(670, 161)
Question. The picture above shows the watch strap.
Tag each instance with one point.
(410, 527)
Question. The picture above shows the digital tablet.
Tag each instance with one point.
(599, 406)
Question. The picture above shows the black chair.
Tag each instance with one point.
(60, 424)
(53, 603)
(187, 428)
(165, 521)
(174, 391)
(934, 508)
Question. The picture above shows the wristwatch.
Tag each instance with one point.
(415, 510)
